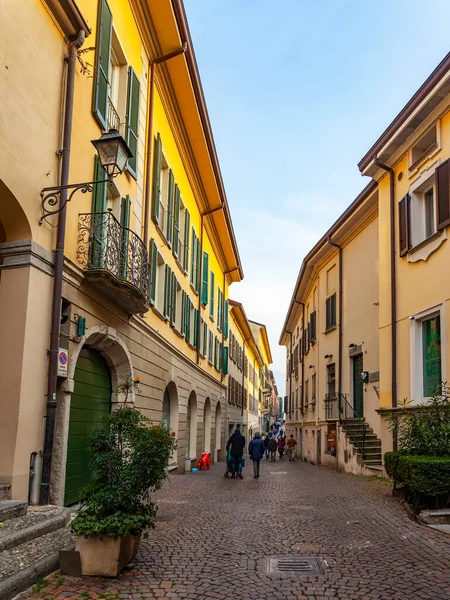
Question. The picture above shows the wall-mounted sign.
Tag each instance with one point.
(63, 359)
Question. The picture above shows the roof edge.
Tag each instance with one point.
(431, 82)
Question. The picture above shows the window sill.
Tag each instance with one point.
(193, 289)
(425, 249)
(161, 233)
(330, 329)
(159, 314)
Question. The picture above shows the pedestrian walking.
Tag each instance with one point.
(273, 449)
(266, 446)
(281, 446)
(256, 451)
(291, 443)
(236, 445)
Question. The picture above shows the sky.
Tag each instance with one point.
(297, 91)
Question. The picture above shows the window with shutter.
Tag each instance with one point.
(443, 194)
(313, 327)
(211, 295)
(152, 271)
(216, 351)
(157, 164)
(187, 229)
(189, 307)
(330, 310)
(102, 60)
(210, 346)
(205, 338)
(195, 332)
(173, 300)
(193, 255)
(183, 313)
(167, 291)
(176, 224)
(404, 224)
(132, 120)
(219, 309)
(205, 272)
(225, 315)
(170, 203)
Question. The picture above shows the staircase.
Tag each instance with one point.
(365, 442)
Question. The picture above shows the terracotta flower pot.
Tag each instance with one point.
(107, 557)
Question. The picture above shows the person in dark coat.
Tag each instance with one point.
(273, 449)
(266, 445)
(256, 451)
(236, 445)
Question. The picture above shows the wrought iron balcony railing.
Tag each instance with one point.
(331, 407)
(112, 117)
(115, 259)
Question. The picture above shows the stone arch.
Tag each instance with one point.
(114, 350)
(14, 220)
(191, 426)
(207, 426)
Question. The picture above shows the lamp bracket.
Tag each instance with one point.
(53, 196)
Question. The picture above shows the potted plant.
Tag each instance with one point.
(129, 457)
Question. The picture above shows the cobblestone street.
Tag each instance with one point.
(214, 537)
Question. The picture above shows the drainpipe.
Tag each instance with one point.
(393, 291)
(148, 164)
(341, 307)
(52, 382)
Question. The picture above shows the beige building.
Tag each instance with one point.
(145, 262)
(331, 339)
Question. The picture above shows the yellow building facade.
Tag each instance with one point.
(148, 258)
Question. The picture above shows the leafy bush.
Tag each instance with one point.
(428, 475)
(129, 457)
(391, 464)
(424, 428)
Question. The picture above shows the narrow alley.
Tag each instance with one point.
(214, 538)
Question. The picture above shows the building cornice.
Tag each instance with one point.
(26, 253)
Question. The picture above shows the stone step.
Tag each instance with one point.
(5, 491)
(371, 451)
(361, 430)
(372, 461)
(37, 522)
(9, 509)
(361, 438)
(436, 517)
(22, 564)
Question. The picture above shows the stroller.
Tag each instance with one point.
(229, 462)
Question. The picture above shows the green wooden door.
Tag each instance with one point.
(91, 399)
(358, 386)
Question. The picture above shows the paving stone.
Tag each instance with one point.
(217, 534)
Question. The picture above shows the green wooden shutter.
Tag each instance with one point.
(167, 283)
(205, 272)
(183, 313)
(103, 45)
(219, 310)
(404, 225)
(176, 223)
(132, 120)
(197, 266)
(125, 206)
(173, 300)
(152, 273)
(157, 179)
(170, 200)
(188, 318)
(211, 298)
(100, 219)
(225, 325)
(205, 338)
(216, 351)
(210, 346)
(193, 254)
(195, 336)
(187, 229)
(225, 360)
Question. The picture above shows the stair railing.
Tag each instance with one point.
(347, 411)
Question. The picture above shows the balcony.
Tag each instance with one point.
(115, 260)
(331, 407)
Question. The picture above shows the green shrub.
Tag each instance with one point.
(425, 475)
(128, 458)
(391, 464)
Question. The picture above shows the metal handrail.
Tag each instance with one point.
(347, 411)
(112, 116)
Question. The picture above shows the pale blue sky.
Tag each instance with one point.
(297, 92)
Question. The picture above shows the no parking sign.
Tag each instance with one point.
(63, 359)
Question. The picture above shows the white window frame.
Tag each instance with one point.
(416, 357)
(417, 208)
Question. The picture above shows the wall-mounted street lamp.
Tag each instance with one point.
(113, 154)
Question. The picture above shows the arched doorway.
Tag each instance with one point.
(191, 427)
(90, 401)
(218, 425)
(207, 426)
(169, 413)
